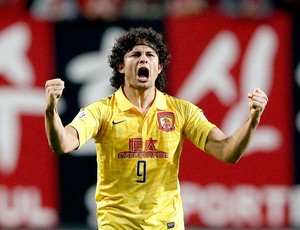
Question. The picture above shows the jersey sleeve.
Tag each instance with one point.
(87, 123)
(196, 127)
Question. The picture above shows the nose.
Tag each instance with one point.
(143, 58)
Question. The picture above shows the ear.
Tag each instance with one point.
(121, 68)
(160, 68)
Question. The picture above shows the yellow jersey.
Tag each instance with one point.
(138, 158)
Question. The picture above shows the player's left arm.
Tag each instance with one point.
(231, 148)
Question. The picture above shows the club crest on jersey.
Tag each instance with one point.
(166, 121)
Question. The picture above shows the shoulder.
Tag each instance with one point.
(181, 104)
(104, 102)
(98, 109)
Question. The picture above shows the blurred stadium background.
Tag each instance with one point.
(221, 49)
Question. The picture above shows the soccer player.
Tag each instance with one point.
(139, 133)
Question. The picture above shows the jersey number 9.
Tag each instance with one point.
(141, 171)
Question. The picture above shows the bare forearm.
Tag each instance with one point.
(231, 148)
(59, 139)
(236, 144)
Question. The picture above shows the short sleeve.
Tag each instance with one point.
(197, 127)
(87, 123)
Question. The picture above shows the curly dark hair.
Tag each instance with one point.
(126, 42)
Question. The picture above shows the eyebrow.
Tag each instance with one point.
(138, 51)
(132, 52)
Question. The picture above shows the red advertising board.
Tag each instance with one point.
(215, 62)
(28, 169)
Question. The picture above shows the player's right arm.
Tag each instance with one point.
(61, 139)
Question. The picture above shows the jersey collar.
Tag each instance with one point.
(123, 103)
(160, 100)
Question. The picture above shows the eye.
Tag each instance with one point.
(136, 54)
(151, 54)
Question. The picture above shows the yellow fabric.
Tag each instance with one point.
(138, 158)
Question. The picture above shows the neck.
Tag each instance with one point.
(141, 99)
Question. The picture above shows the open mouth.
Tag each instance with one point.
(143, 72)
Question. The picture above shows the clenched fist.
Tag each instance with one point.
(257, 102)
(53, 91)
